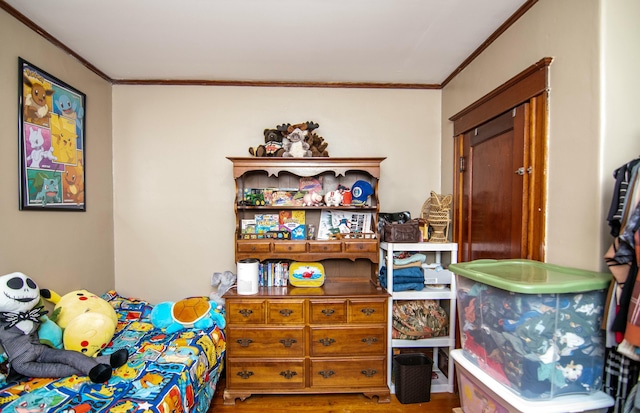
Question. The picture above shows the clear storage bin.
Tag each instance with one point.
(533, 327)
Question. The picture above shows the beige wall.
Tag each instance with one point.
(172, 202)
(173, 189)
(620, 86)
(566, 30)
(63, 251)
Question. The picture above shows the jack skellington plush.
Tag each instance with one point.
(19, 322)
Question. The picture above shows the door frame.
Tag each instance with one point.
(529, 86)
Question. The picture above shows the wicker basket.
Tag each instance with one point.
(412, 376)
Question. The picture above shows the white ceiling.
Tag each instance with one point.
(363, 41)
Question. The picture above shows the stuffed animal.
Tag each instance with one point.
(317, 145)
(272, 145)
(88, 322)
(19, 321)
(294, 140)
(224, 281)
(195, 312)
(50, 333)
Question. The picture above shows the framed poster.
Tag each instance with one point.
(51, 129)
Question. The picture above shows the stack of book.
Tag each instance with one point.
(273, 274)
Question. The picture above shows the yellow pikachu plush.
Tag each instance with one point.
(88, 322)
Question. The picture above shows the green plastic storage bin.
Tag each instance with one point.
(533, 326)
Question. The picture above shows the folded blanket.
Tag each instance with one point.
(415, 273)
(411, 258)
(405, 286)
(411, 264)
(405, 279)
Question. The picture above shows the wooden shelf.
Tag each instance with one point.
(306, 166)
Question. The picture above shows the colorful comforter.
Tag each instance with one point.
(175, 372)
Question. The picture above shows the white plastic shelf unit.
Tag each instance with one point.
(446, 292)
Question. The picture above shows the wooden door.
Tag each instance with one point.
(494, 195)
(499, 185)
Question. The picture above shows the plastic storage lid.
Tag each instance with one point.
(531, 277)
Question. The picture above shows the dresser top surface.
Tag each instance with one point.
(328, 290)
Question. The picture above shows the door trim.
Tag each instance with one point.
(530, 86)
(529, 83)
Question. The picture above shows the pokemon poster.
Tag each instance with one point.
(51, 142)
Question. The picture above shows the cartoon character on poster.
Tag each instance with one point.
(69, 105)
(63, 139)
(36, 97)
(45, 187)
(38, 147)
(73, 182)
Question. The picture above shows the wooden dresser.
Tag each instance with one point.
(329, 339)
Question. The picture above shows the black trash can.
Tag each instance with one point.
(412, 376)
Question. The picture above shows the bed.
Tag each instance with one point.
(165, 373)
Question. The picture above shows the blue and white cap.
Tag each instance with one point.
(361, 191)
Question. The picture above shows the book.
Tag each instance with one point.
(273, 274)
(266, 223)
(248, 226)
(334, 222)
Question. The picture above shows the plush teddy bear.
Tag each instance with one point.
(272, 145)
(224, 281)
(19, 321)
(317, 145)
(194, 312)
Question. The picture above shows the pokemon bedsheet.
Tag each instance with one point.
(175, 372)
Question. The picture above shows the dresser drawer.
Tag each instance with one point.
(367, 311)
(345, 341)
(253, 246)
(285, 312)
(265, 342)
(367, 372)
(248, 374)
(245, 312)
(328, 311)
(325, 246)
(361, 246)
(290, 246)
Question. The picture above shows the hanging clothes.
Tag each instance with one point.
(620, 376)
(622, 176)
(622, 369)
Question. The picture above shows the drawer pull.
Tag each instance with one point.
(245, 374)
(288, 374)
(369, 372)
(286, 312)
(245, 312)
(328, 312)
(288, 342)
(244, 342)
(368, 311)
(369, 340)
(326, 373)
(327, 341)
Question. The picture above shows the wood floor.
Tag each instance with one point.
(334, 403)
